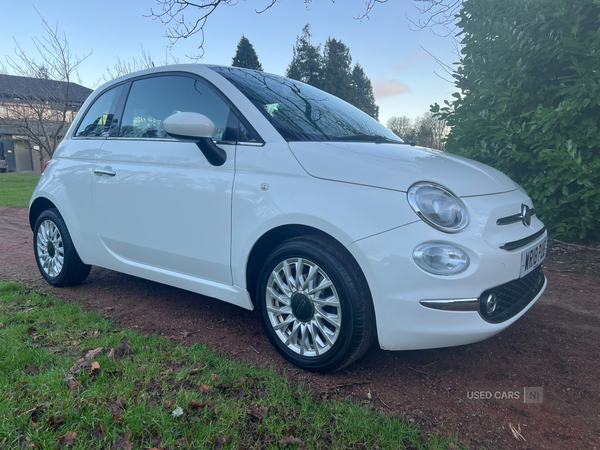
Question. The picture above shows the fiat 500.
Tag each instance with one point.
(267, 193)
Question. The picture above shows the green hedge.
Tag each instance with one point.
(529, 103)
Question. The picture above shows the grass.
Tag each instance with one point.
(16, 188)
(145, 391)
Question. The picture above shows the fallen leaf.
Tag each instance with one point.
(31, 369)
(99, 432)
(110, 353)
(292, 429)
(219, 442)
(258, 411)
(197, 405)
(73, 386)
(55, 421)
(1, 324)
(124, 443)
(167, 371)
(67, 439)
(451, 446)
(75, 342)
(204, 387)
(141, 368)
(194, 372)
(167, 403)
(214, 377)
(31, 330)
(93, 353)
(95, 368)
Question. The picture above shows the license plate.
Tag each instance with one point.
(533, 257)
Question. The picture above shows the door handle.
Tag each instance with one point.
(110, 173)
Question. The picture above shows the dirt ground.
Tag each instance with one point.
(554, 346)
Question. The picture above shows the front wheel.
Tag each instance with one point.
(55, 253)
(315, 304)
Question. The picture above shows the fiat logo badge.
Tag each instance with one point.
(526, 215)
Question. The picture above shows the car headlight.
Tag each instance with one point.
(441, 258)
(438, 207)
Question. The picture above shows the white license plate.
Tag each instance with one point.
(533, 257)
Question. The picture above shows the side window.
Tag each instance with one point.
(97, 118)
(152, 100)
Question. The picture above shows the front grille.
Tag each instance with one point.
(512, 297)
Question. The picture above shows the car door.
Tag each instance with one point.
(159, 206)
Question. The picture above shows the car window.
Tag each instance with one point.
(301, 112)
(97, 118)
(152, 100)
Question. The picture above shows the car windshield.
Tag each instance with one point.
(303, 113)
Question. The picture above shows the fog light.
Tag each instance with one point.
(491, 303)
(441, 258)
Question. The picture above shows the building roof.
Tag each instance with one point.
(42, 89)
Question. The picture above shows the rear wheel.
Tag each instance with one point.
(315, 305)
(55, 253)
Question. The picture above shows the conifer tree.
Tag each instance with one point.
(306, 62)
(363, 97)
(246, 56)
(336, 74)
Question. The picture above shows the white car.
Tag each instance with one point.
(272, 195)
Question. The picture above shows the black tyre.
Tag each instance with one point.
(315, 305)
(55, 253)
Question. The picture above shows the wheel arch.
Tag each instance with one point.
(275, 236)
(38, 206)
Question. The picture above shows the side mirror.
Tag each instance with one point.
(197, 128)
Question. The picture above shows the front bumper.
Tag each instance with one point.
(405, 296)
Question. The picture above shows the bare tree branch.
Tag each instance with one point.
(438, 15)
(173, 14)
(40, 102)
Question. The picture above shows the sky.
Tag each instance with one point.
(398, 60)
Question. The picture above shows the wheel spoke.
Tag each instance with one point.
(294, 332)
(282, 286)
(326, 317)
(329, 301)
(299, 265)
(311, 274)
(291, 319)
(288, 275)
(281, 299)
(322, 286)
(278, 311)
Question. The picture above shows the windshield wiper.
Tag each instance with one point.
(365, 138)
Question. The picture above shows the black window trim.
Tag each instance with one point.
(111, 111)
(120, 106)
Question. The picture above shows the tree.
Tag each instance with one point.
(427, 131)
(42, 109)
(246, 56)
(332, 72)
(362, 96)
(529, 103)
(336, 71)
(401, 127)
(306, 62)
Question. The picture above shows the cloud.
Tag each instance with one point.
(387, 87)
(410, 61)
